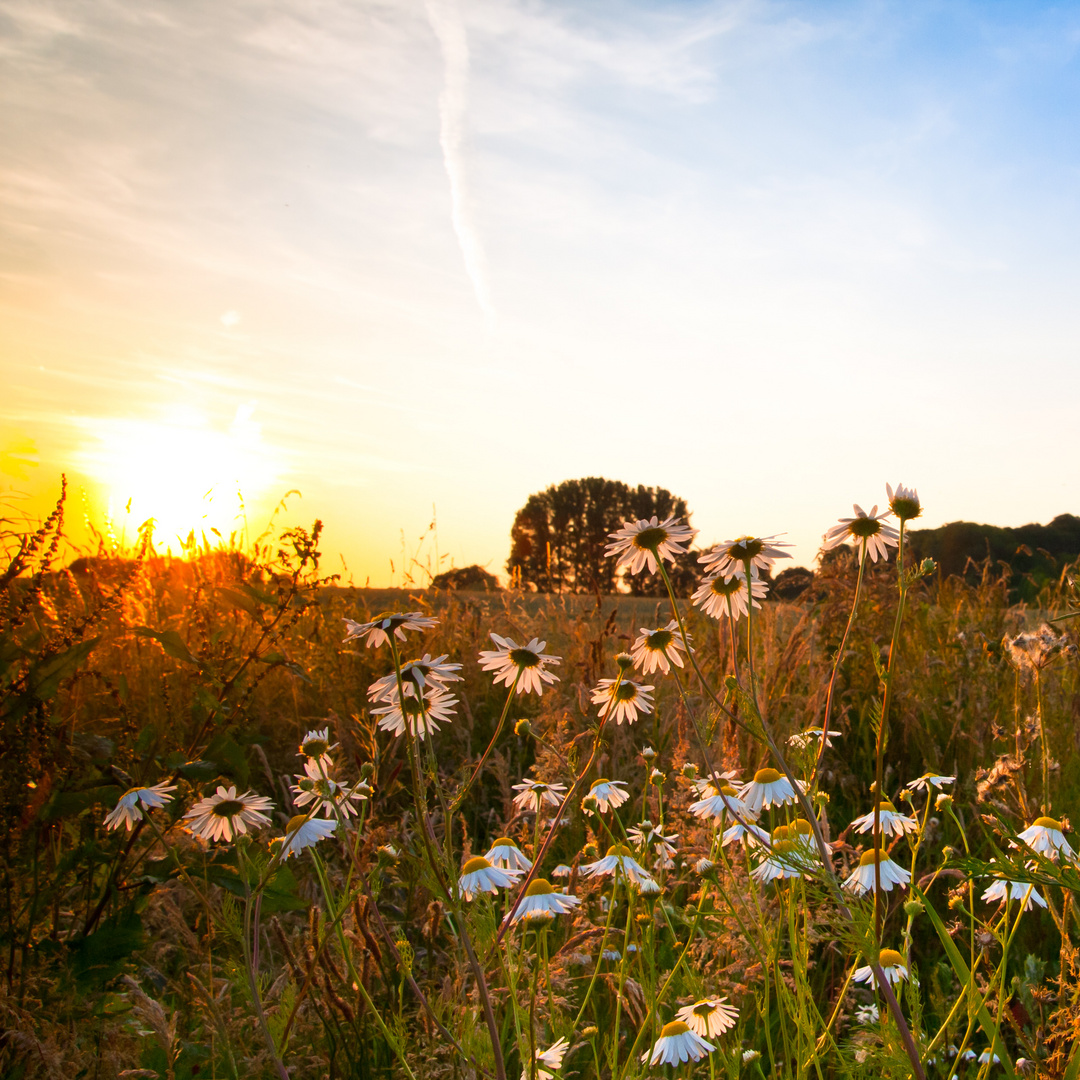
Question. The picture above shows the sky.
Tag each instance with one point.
(412, 262)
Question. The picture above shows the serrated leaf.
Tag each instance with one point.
(173, 644)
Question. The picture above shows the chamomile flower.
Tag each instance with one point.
(561, 871)
(732, 555)
(131, 805)
(424, 712)
(768, 788)
(722, 595)
(892, 965)
(746, 830)
(478, 875)
(418, 673)
(677, 1043)
(316, 787)
(550, 1059)
(618, 858)
(541, 901)
(505, 853)
(1046, 836)
(644, 543)
(710, 1016)
(379, 629)
(893, 823)
(863, 878)
(867, 530)
(304, 832)
(525, 663)
(1003, 889)
(532, 794)
(622, 699)
(658, 649)
(786, 859)
(867, 1014)
(316, 744)
(804, 738)
(721, 804)
(606, 794)
(928, 780)
(224, 814)
(646, 836)
(904, 502)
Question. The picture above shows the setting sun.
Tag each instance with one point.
(180, 470)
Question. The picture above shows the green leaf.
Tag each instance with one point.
(229, 757)
(63, 804)
(99, 958)
(173, 644)
(964, 975)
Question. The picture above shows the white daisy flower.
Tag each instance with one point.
(710, 1016)
(316, 787)
(541, 902)
(864, 528)
(417, 672)
(304, 832)
(704, 865)
(646, 836)
(867, 1014)
(813, 734)
(721, 804)
(643, 543)
(478, 875)
(505, 853)
(618, 858)
(893, 823)
(225, 814)
(526, 663)
(928, 780)
(648, 887)
(768, 788)
(561, 871)
(1045, 835)
(605, 795)
(986, 1057)
(623, 699)
(904, 502)
(129, 808)
(731, 555)
(677, 1043)
(753, 834)
(532, 794)
(654, 649)
(550, 1058)
(715, 592)
(863, 878)
(892, 965)
(316, 744)
(791, 853)
(379, 629)
(1003, 889)
(424, 713)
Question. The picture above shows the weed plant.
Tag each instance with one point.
(257, 823)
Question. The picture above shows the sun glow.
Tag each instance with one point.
(181, 471)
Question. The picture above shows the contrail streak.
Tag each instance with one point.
(445, 19)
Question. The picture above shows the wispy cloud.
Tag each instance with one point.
(446, 22)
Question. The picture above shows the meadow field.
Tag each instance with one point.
(250, 819)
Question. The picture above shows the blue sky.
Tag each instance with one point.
(397, 255)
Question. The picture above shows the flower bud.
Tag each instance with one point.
(913, 908)
(590, 1032)
(523, 727)
(689, 770)
(943, 800)
(366, 771)
(624, 661)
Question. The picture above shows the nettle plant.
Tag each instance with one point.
(697, 915)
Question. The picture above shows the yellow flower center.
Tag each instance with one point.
(704, 1008)
(504, 841)
(801, 828)
(870, 857)
(477, 862)
(887, 807)
(227, 808)
(676, 1027)
(766, 776)
(890, 958)
(621, 850)
(729, 791)
(650, 539)
(1048, 823)
(539, 887)
(598, 782)
(295, 823)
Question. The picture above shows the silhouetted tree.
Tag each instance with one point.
(559, 535)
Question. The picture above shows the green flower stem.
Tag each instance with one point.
(459, 798)
(1042, 744)
(838, 658)
(624, 962)
(603, 942)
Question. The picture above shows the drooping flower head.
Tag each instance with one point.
(724, 804)
(721, 596)
(224, 814)
(379, 629)
(892, 965)
(768, 788)
(904, 502)
(644, 543)
(423, 713)
(865, 529)
(732, 555)
(677, 1043)
(1046, 836)
(532, 794)
(304, 832)
(618, 858)
(928, 780)
(505, 853)
(316, 744)
(655, 648)
(551, 1058)
(863, 878)
(526, 663)
(606, 794)
(892, 822)
(478, 875)
(542, 903)
(622, 699)
(709, 1017)
(418, 673)
(131, 805)
(316, 787)
(1004, 890)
